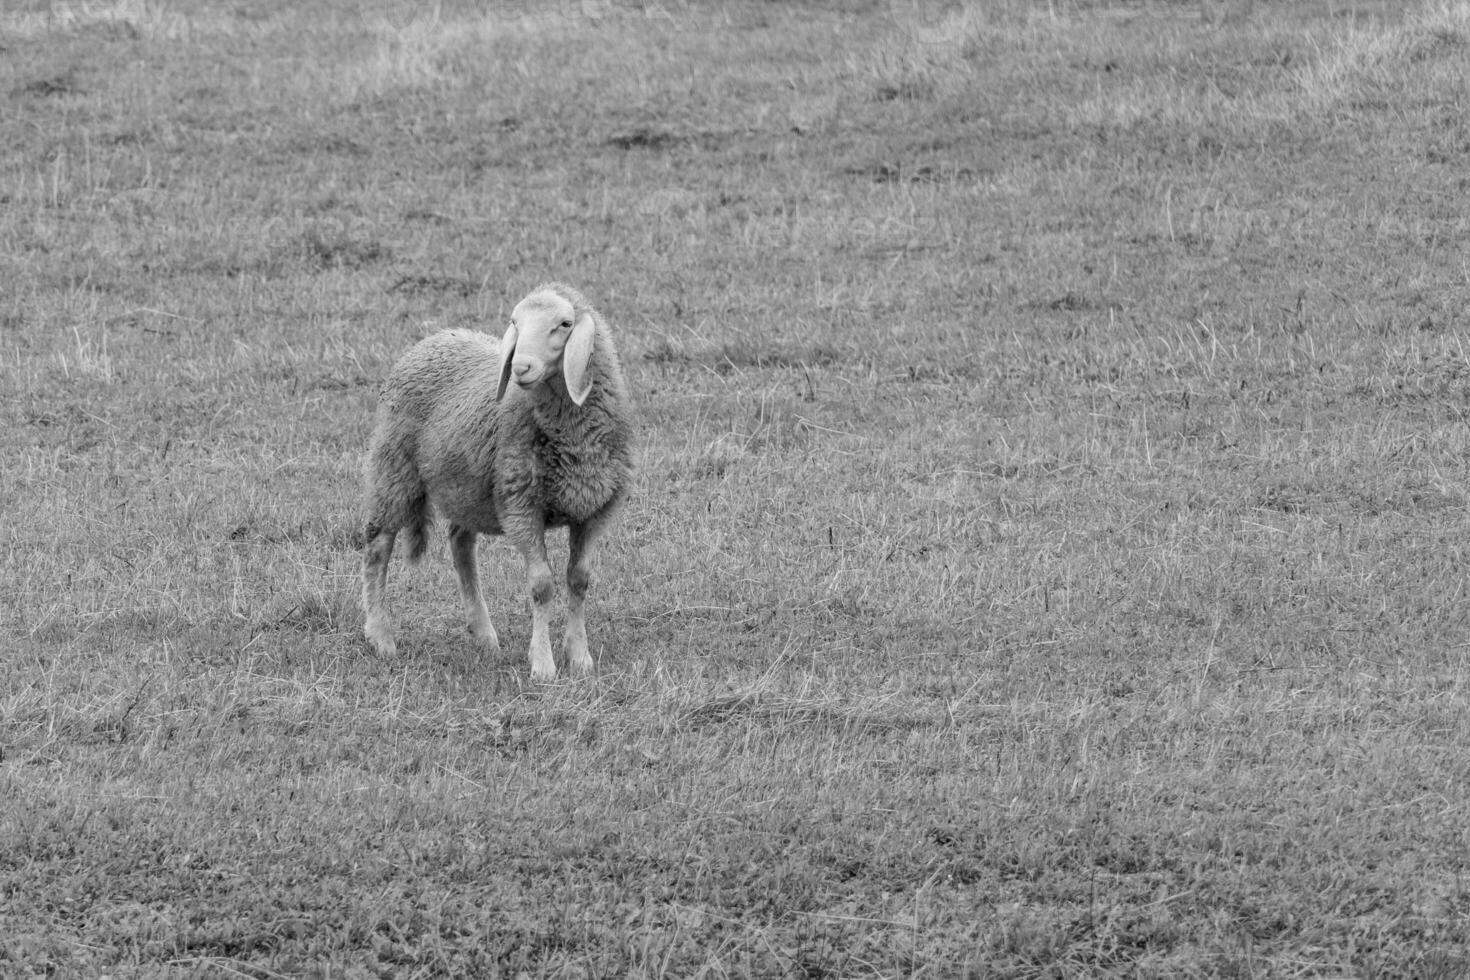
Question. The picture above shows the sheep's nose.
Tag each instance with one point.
(521, 369)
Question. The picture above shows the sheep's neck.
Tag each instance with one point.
(553, 410)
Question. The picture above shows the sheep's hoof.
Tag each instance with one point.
(381, 640)
(580, 666)
(579, 661)
(543, 666)
(486, 639)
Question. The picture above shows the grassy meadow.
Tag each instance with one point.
(1048, 556)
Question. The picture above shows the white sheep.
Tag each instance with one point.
(552, 450)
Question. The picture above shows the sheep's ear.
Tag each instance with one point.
(576, 358)
(507, 352)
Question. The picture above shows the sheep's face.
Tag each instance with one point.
(546, 333)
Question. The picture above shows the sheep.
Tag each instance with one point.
(554, 449)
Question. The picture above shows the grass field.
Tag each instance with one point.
(1048, 557)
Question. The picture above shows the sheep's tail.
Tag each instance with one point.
(397, 499)
(415, 536)
(406, 520)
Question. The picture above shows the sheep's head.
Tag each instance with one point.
(548, 331)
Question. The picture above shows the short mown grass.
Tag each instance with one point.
(1047, 557)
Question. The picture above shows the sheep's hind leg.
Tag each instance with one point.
(376, 625)
(462, 551)
(538, 576)
(581, 539)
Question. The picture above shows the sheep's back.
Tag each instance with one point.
(439, 373)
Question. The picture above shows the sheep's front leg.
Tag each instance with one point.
(462, 552)
(376, 624)
(538, 575)
(581, 539)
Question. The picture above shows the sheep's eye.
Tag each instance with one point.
(565, 324)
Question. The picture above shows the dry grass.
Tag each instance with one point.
(1047, 558)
